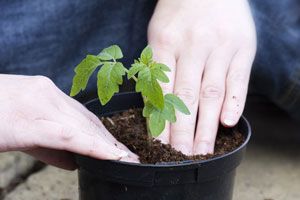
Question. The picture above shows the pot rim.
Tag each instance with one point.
(187, 162)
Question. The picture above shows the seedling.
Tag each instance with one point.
(158, 108)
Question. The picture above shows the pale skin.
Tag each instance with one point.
(46, 123)
(209, 45)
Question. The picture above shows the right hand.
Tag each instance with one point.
(39, 119)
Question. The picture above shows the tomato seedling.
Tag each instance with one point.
(147, 73)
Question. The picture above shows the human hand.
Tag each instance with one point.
(210, 47)
(39, 119)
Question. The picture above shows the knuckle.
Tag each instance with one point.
(217, 60)
(237, 76)
(196, 35)
(66, 134)
(245, 40)
(167, 38)
(236, 39)
(188, 95)
(212, 92)
(228, 34)
(43, 82)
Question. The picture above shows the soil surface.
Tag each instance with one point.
(129, 127)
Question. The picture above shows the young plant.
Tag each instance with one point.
(147, 73)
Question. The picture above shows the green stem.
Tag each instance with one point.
(133, 77)
(147, 121)
(145, 101)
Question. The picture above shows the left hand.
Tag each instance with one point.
(210, 47)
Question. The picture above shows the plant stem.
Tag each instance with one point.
(144, 100)
(147, 121)
(133, 77)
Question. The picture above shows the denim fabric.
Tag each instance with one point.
(50, 37)
(276, 70)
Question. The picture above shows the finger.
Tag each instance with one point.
(53, 135)
(78, 121)
(211, 99)
(80, 108)
(79, 115)
(237, 87)
(167, 57)
(187, 87)
(61, 159)
(129, 159)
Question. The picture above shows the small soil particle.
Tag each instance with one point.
(129, 127)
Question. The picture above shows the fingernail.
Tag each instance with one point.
(203, 148)
(229, 122)
(120, 153)
(129, 159)
(132, 155)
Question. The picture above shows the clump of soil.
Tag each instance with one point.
(129, 127)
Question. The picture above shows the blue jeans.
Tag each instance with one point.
(276, 69)
(50, 37)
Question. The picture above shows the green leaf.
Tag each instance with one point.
(157, 118)
(150, 88)
(110, 76)
(168, 112)
(163, 67)
(111, 53)
(83, 71)
(146, 55)
(148, 109)
(160, 75)
(134, 69)
(177, 103)
(156, 124)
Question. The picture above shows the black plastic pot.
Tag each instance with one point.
(211, 179)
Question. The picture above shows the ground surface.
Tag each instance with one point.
(270, 171)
